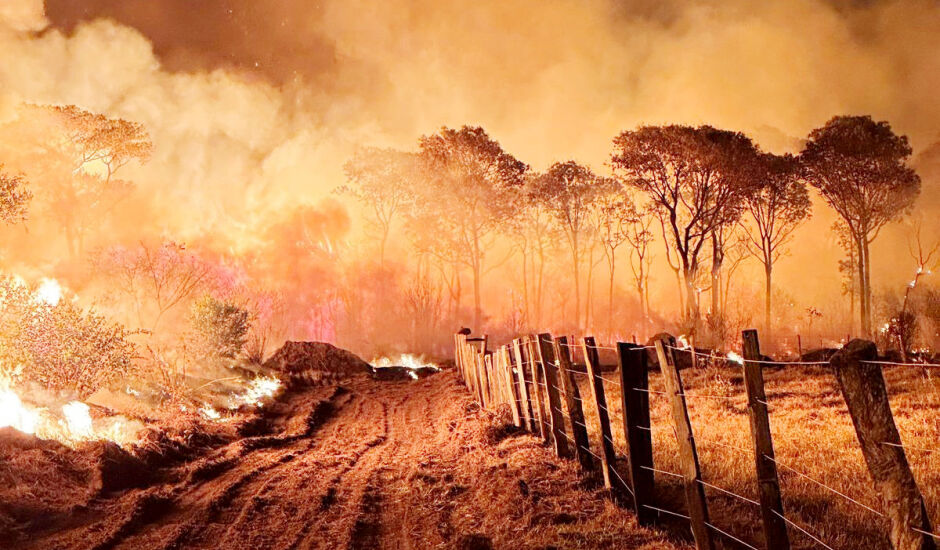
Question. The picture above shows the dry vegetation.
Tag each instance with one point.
(813, 435)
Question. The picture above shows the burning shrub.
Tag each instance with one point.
(58, 345)
(221, 328)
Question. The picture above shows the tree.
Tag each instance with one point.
(614, 217)
(95, 148)
(14, 197)
(640, 237)
(569, 192)
(860, 168)
(469, 179)
(221, 327)
(532, 230)
(156, 278)
(60, 346)
(690, 176)
(775, 210)
(383, 180)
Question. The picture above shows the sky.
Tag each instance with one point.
(254, 104)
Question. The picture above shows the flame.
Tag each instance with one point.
(406, 360)
(78, 420)
(49, 292)
(259, 388)
(74, 425)
(14, 415)
(683, 342)
(210, 412)
(735, 358)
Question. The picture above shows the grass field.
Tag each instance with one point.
(813, 435)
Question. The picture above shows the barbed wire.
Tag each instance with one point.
(897, 364)
(823, 485)
(664, 472)
(667, 512)
(739, 360)
(800, 529)
(921, 449)
(727, 492)
(730, 536)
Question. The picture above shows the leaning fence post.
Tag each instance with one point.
(582, 446)
(550, 371)
(524, 403)
(771, 506)
(637, 429)
(538, 383)
(863, 386)
(688, 457)
(593, 366)
(486, 360)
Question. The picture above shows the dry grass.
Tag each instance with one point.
(813, 434)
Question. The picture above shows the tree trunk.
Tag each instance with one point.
(577, 280)
(610, 300)
(864, 290)
(768, 268)
(691, 297)
(525, 286)
(717, 259)
(477, 302)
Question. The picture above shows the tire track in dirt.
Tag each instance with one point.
(370, 465)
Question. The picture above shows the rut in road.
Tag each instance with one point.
(362, 465)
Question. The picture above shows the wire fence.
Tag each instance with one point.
(523, 364)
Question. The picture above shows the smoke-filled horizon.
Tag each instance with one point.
(254, 107)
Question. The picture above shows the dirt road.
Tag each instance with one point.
(362, 465)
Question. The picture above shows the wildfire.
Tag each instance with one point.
(735, 358)
(71, 425)
(683, 342)
(259, 389)
(78, 419)
(411, 362)
(49, 292)
(14, 415)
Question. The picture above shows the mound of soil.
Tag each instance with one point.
(316, 362)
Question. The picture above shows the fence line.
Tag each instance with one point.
(547, 375)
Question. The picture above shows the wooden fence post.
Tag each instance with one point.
(771, 505)
(634, 386)
(550, 372)
(524, 404)
(488, 377)
(481, 378)
(460, 376)
(688, 457)
(593, 366)
(582, 446)
(863, 386)
(512, 388)
(538, 383)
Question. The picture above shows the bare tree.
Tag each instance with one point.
(923, 259)
(778, 206)
(569, 192)
(469, 176)
(860, 168)
(640, 238)
(156, 278)
(614, 215)
(383, 180)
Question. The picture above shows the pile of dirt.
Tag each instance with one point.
(315, 363)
